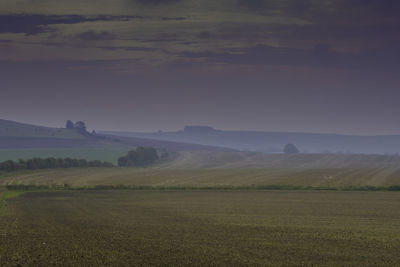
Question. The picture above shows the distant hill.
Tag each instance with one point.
(170, 145)
(16, 129)
(15, 135)
(273, 142)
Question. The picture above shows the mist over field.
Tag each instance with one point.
(199, 133)
(273, 142)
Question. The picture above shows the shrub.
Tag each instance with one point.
(142, 156)
(290, 149)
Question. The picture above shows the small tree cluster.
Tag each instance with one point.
(142, 156)
(50, 163)
(290, 149)
(69, 124)
(79, 126)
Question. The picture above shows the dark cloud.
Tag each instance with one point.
(95, 36)
(390, 7)
(339, 8)
(128, 48)
(157, 2)
(188, 43)
(323, 10)
(290, 7)
(166, 18)
(34, 24)
(206, 35)
(322, 56)
(341, 32)
(259, 54)
(299, 8)
(341, 36)
(253, 3)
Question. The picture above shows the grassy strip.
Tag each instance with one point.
(22, 187)
(6, 194)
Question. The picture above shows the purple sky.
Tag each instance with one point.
(135, 65)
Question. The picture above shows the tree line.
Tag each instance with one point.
(51, 163)
(142, 156)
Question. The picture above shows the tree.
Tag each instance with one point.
(123, 161)
(290, 149)
(80, 126)
(22, 164)
(83, 163)
(51, 163)
(142, 156)
(69, 124)
(8, 166)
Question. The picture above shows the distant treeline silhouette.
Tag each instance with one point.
(50, 163)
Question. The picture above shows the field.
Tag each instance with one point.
(4, 195)
(213, 227)
(208, 228)
(159, 177)
(240, 160)
(220, 169)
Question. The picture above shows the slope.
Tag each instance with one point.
(18, 140)
(273, 142)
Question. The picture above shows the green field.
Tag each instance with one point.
(253, 228)
(159, 177)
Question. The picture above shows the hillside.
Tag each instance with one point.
(273, 142)
(14, 129)
(19, 140)
(169, 145)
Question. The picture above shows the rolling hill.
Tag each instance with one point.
(19, 140)
(273, 142)
(12, 129)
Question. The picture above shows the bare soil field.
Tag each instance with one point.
(202, 228)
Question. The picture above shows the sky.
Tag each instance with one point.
(145, 65)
